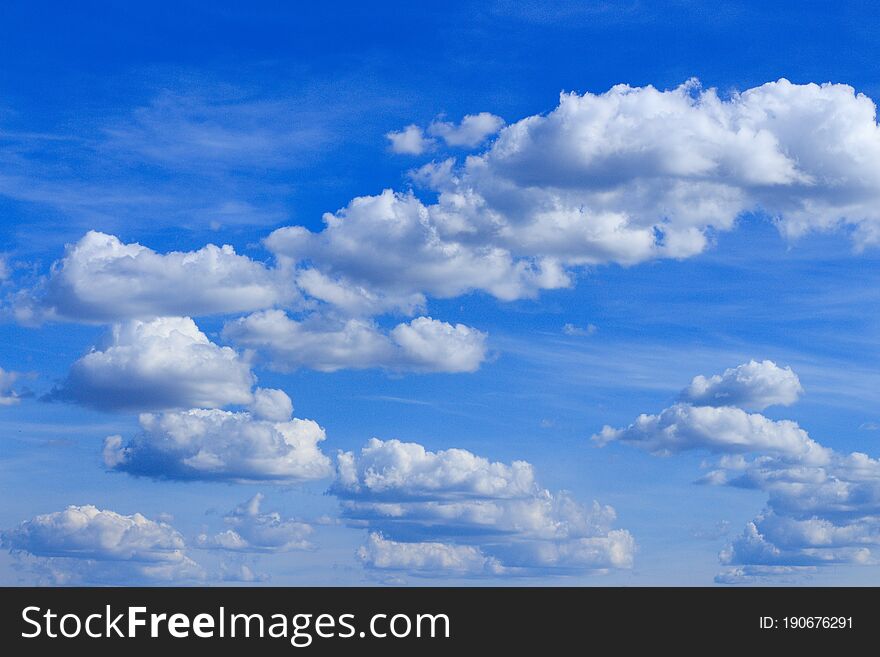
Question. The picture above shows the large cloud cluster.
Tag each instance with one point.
(626, 176)
(433, 510)
(823, 507)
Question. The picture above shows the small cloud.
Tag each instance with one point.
(410, 141)
(869, 426)
(573, 330)
(473, 130)
(547, 424)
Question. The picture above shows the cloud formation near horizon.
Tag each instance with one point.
(823, 507)
(84, 544)
(452, 510)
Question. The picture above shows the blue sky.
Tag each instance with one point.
(579, 266)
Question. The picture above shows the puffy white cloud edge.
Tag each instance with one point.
(421, 345)
(84, 544)
(218, 445)
(823, 506)
(163, 363)
(455, 512)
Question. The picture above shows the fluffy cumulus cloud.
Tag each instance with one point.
(271, 404)
(753, 386)
(823, 506)
(422, 345)
(472, 131)
(428, 559)
(409, 141)
(389, 248)
(8, 395)
(453, 509)
(724, 429)
(101, 279)
(159, 364)
(397, 470)
(84, 544)
(626, 176)
(250, 530)
(218, 445)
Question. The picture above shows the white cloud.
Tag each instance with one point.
(270, 404)
(430, 345)
(77, 544)
(356, 300)
(397, 470)
(753, 386)
(253, 531)
(823, 507)
(723, 429)
(422, 345)
(842, 485)
(101, 279)
(8, 396)
(410, 141)
(394, 247)
(772, 539)
(627, 176)
(432, 504)
(211, 444)
(473, 130)
(164, 363)
(427, 558)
